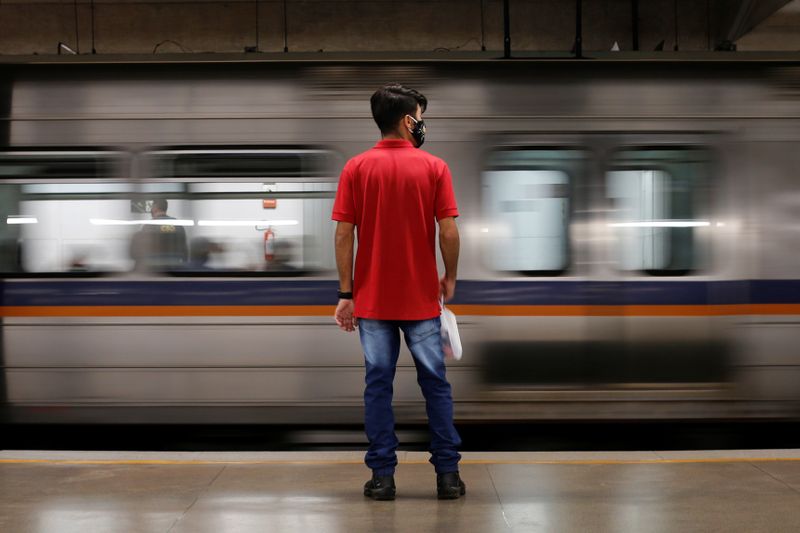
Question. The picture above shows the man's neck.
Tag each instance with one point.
(393, 136)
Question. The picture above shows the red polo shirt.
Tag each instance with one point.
(394, 194)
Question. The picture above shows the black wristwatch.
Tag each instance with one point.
(345, 295)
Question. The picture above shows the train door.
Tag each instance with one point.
(657, 276)
(603, 284)
(534, 252)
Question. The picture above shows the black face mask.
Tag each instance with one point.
(418, 131)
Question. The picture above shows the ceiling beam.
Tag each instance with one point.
(733, 19)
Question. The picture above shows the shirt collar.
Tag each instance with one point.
(394, 143)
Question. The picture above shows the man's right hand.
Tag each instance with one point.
(447, 288)
(344, 316)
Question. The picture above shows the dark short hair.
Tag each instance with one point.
(161, 204)
(392, 102)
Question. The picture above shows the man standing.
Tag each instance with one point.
(160, 246)
(393, 195)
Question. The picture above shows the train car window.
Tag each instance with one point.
(658, 198)
(264, 211)
(41, 164)
(50, 202)
(240, 163)
(526, 196)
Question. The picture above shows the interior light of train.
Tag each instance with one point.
(484, 230)
(720, 224)
(76, 188)
(21, 220)
(244, 223)
(150, 222)
(661, 224)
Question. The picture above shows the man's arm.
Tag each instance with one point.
(345, 239)
(183, 245)
(449, 244)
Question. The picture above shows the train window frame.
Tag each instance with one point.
(155, 160)
(117, 164)
(701, 200)
(573, 174)
(323, 173)
(119, 158)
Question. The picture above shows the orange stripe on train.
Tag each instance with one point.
(169, 310)
(460, 309)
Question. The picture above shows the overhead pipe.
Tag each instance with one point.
(285, 29)
(483, 27)
(506, 30)
(578, 30)
(91, 5)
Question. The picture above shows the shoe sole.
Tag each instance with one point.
(451, 495)
(380, 497)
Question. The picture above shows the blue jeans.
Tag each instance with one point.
(381, 342)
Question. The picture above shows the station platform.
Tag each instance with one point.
(726, 491)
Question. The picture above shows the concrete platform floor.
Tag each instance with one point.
(726, 491)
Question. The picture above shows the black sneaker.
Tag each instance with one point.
(449, 486)
(380, 488)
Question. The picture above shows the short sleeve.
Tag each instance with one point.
(343, 207)
(445, 205)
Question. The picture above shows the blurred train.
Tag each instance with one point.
(630, 235)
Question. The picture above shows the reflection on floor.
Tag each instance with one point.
(730, 491)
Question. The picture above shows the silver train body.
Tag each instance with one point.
(630, 236)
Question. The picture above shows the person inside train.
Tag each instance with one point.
(79, 262)
(284, 254)
(393, 195)
(11, 255)
(159, 246)
(201, 250)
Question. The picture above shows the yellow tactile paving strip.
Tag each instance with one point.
(616, 458)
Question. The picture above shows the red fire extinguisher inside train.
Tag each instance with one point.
(269, 244)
